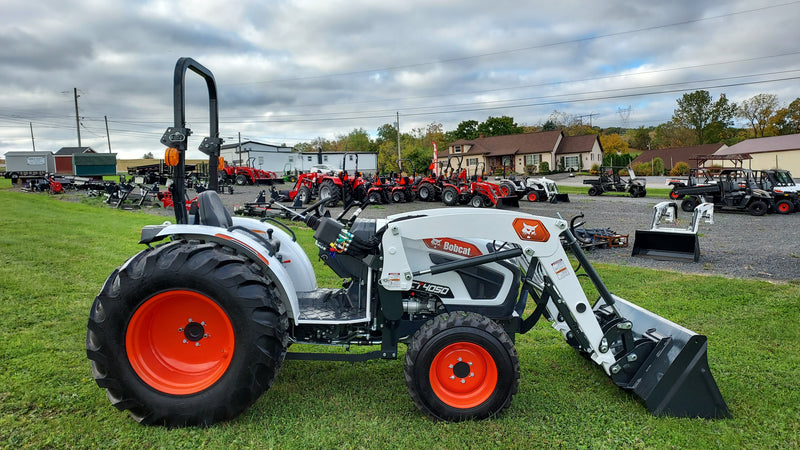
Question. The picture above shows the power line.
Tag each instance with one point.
(517, 50)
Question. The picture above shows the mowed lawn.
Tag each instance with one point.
(55, 255)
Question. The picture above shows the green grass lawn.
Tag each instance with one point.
(55, 255)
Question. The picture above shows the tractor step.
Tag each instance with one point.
(330, 305)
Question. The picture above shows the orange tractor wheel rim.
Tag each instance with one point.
(463, 375)
(179, 342)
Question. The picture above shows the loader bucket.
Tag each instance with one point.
(562, 198)
(671, 374)
(511, 201)
(666, 245)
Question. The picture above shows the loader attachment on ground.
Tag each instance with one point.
(662, 363)
(666, 241)
(511, 201)
(664, 245)
(562, 197)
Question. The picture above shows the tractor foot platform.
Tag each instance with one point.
(330, 305)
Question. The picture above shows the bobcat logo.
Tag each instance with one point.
(436, 243)
(531, 230)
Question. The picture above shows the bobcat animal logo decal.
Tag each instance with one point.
(531, 230)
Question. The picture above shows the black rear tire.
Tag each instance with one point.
(594, 191)
(398, 196)
(242, 180)
(186, 334)
(689, 204)
(461, 366)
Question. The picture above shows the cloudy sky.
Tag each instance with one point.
(289, 71)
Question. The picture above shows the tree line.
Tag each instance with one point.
(697, 119)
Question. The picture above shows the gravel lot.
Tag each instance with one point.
(737, 245)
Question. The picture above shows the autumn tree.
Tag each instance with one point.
(757, 110)
(613, 147)
(708, 119)
(786, 120)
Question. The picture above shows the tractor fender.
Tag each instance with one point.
(291, 274)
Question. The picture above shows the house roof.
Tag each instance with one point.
(74, 150)
(542, 142)
(672, 156)
(767, 144)
(577, 144)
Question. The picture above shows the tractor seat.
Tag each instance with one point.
(211, 211)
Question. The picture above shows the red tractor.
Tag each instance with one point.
(248, 174)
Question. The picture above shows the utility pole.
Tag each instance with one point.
(108, 136)
(77, 117)
(32, 141)
(398, 142)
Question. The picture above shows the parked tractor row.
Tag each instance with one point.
(453, 186)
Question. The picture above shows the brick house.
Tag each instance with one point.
(520, 153)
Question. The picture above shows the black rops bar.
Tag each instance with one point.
(178, 135)
(470, 262)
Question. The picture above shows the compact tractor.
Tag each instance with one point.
(195, 327)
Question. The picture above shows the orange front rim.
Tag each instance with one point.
(532, 197)
(179, 342)
(463, 375)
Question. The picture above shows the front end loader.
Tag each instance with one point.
(195, 327)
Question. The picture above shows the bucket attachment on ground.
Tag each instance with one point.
(511, 201)
(662, 363)
(562, 198)
(666, 241)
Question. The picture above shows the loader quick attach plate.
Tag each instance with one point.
(674, 379)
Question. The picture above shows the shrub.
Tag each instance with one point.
(544, 168)
(681, 168)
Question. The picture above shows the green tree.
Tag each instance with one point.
(356, 141)
(757, 110)
(549, 126)
(499, 126)
(708, 119)
(671, 134)
(786, 120)
(467, 129)
(148, 155)
(639, 138)
(658, 166)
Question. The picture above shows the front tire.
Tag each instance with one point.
(329, 190)
(594, 191)
(242, 180)
(461, 366)
(186, 334)
(425, 192)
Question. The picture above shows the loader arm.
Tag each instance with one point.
(662, 363)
